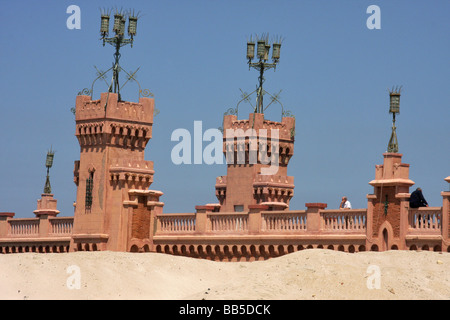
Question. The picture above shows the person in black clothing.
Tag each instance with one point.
(417, 200)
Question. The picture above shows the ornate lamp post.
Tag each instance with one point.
(262, 52)
(118, 40)
(394, 108)
(48, 164)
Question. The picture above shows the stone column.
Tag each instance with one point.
(254, 217)
(313, 220)
(4, 217)
(46, 207)
(446, 216)
(201, 218)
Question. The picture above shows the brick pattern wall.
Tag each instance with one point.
(140, 225)
(393, 214)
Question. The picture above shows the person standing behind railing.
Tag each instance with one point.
(417, 199)
(345, 204)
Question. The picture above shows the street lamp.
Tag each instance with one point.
(48, 165)
(118, 40)
(262, 53)
(394, 108)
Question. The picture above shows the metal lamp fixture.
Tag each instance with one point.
(394, 108)
(132, 26)
(48, 165)
(262, 53)
(118, 40)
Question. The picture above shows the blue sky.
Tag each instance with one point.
(334, 74)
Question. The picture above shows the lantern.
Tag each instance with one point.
(119, 24)
(250, 50)
(49, 160)
(132, 24)
(104, 26)
(394, 102)
(261, 49)
(276, 51)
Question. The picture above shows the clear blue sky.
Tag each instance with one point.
(334, 73)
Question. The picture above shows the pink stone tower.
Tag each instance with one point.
(112, 135)
(250, 183)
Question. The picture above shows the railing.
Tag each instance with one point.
(232, 222)
(24, 227)
(276, 222)
(284, 221)
(176, 223)
(344, 220)
(61, 226)
(425, 220)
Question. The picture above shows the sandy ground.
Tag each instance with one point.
(308, 274)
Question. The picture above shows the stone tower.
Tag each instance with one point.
(111, 171)
(258, 152)
(387, 208)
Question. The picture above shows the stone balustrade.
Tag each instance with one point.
(257, 234)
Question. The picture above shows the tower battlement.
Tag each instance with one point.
(115, 123)
(256, 121)
(109, 107)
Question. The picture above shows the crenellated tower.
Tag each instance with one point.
(258, 153)
(112, 135)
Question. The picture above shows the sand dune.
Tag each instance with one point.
(308, 274)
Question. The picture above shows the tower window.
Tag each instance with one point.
(89, 188)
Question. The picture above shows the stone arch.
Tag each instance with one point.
(262, 250)
(386, 234)
(437, 248)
